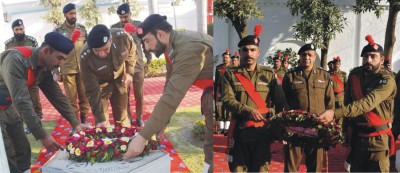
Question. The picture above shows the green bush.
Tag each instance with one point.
(156, 68)
(198, 130)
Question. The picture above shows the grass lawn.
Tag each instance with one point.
(178, 132)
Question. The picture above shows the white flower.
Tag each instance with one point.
(78, 152)
(72, 151)
(107, 141)
(69, 147)
(109, 129)
(90, 144)
(126, 139)
(123, 147)
(98, 130)
(82, 133)
(76, 135)
(123, 130)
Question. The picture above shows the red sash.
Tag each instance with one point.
(339, 90)
(201, 83)
(279, 79)
(373, 118)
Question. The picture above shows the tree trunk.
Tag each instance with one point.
(390, 37)
(324, 53)
(240, 28)
(201, 8)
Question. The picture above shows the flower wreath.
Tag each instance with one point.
(301, 127)
(103, 144)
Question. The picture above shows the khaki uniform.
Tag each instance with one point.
(281, 72)
(34, 90)
(13, 76)
(103, 77)
(138, 76)
(251, 146)
(369, 154)
(339, 97)
(70, 73)
(221, 114)
(312, 93)
(192, 57)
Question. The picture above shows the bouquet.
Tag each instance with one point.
(103, 144)
(301, 126)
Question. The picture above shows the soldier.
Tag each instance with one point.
(339, 82)
(330, 66)
(124, 14)
(278, 69)
(189, 62)
(369, 100)
(70, 74)
(22, 67)
(235, 59)
(107, 65)
(251, 136)
(20, 39)
(307, 88)
(285, 62)
(222, 116)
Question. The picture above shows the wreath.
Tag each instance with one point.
(103, 144)
(302, 127)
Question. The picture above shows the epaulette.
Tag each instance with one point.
(265, 68)
(120, 33)
(80, 25)
(320, 68)
(356, 69)
(8, 41)
(85, 52)
(35, 44)
(57, 28)
(232, 69)
(291, 70)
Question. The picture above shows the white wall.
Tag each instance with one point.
(277, 33)
(30, 12)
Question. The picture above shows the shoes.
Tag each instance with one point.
(27, 131)
(140, 122)
(83, 118)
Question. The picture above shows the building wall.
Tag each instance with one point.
(31, 13)
(278, 34)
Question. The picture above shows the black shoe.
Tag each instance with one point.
(27, 131)
(83, 118)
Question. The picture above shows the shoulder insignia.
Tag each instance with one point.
(80, 25)
(35, 44)
(265, 68)
(8, 41)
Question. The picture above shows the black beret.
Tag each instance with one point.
(249, 40)
(59, 42)
(330, 62)
(306, 47)
(369, 48)
(123, 9)
(68, 7)
(98, 36)
(151, 23)
(17, 22)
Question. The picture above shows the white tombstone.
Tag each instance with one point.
(157, 161)
(3, 157)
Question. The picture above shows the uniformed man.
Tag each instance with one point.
(278, 70)
(285, 62)
(369, 102)
(189, 62)
(339, 82)
(330, 66)
(20, 39)
(235, 59)
(107, 65)
(27, 66)
(124, 14)
(222, 116)
(307, 88)
(246, 90)
(70, 74)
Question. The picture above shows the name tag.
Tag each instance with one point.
(297, 82)
(320, 81)
(262, 83)
(102, 67)
(237, 84)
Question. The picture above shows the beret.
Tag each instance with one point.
(59, 42)
(151, 23)
(306, 47)
(98, 36)
(249, 40)
(17, 22)
(123, 9)
(371, 46)
(68, 7)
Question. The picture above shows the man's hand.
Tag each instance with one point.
(326, 116)
(256, 116)
(136, 146)
(50, 144)
(102, 124)
(127, 80)
(81, 127)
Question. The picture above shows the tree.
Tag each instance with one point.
(238, 12)
(287, 53)
(394, 8)
(133, 4)
(55, 15)
(320, 21)
(90, 13)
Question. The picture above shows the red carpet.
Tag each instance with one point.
(153, 91)
(335, 157)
